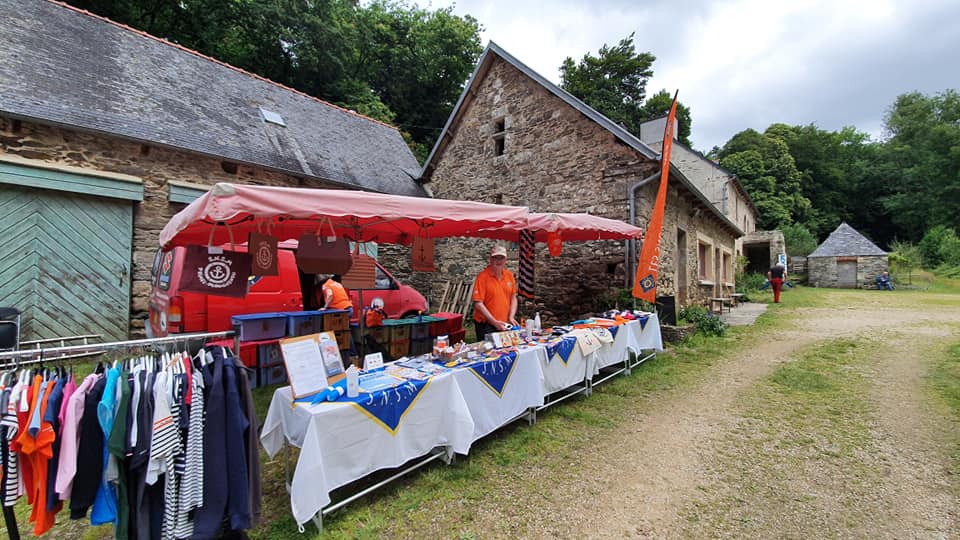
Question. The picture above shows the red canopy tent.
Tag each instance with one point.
(572, 227)
(228, 212)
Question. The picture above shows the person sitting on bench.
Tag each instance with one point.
(884, 282)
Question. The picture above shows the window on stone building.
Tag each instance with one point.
(499, 136)
(703, 260)
(725, 269)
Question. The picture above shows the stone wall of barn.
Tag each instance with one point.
(157, 166)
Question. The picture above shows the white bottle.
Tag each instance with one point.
(536, 322)
(353, 381)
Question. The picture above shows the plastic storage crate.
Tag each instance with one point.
(259, 326)
(399, 348)
(421, 346)
(303, 323)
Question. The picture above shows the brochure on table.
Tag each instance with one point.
(313, 362)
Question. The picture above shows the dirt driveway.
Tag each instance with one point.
(735, 455)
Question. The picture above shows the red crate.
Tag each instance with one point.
(457, 336)
(451, 323)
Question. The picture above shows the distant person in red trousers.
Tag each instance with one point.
(777, 275)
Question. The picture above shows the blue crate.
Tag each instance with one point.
(303, 323)
(260, 326)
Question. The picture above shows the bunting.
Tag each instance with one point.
(648, 266)
(525, 285)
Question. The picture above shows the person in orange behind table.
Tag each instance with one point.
(494, 296)
(334, 295)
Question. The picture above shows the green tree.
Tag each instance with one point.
(800, 241)
(614, 82)
(905, 257)
(658, 106)
(932, 245)
(924, 151)
(416, 61)
(768, 172)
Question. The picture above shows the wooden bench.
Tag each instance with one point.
(717, 304)
(737, 298)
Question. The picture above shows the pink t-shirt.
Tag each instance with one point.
(70, 439)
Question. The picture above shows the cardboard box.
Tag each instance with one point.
(343, 340)
(336, 321)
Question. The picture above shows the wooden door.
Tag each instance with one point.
(65, 262)
(847, 275)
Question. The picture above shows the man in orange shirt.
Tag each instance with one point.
(495, 296)
(335, 295)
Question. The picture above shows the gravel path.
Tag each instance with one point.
(641, 481)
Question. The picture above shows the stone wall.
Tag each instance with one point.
(822, 271)
(556, 159)
(156, 166)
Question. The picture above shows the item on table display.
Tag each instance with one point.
(331, 393)
(530, 325)
(353, 381)
(372, 361)
(440, 343)
(304, 365)
(330, 352)
(377, 381)
(536, 322)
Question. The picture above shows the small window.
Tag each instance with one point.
(703, 256)
(499, 136)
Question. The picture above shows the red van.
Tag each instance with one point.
(173, 311)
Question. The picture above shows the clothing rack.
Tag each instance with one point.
(25, 357)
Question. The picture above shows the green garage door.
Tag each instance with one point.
(65, 262)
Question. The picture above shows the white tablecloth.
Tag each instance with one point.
(490, 410)
(559, 374)
(340, 443)
(630, 336)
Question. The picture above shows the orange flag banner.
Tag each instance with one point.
(648, 266)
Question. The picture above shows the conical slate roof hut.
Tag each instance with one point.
(846, 259)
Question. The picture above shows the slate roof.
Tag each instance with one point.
(480, 71)
(66, 67)
(845, 241)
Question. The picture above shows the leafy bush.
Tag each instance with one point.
(707, 323)
(905, 257)
(799, 240)
(749, 284)
(938, 245)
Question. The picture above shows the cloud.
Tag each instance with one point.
(749, 63)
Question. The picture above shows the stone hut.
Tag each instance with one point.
(515, 138)
(846, 259)
(106, 132)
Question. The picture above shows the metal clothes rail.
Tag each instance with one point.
(9, 359)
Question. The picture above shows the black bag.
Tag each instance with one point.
(324, 255)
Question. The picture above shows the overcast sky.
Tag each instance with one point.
(748, 63)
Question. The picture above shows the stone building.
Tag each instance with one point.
(846, 259)
(760, 248)
(515, 138)
(106, 132)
